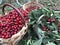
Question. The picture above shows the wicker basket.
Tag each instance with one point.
(32, 3)
(16, 37)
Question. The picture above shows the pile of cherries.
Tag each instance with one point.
(51, 20)
(11, 23)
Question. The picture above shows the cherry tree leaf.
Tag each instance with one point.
(50, 43)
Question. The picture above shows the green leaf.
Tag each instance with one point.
(57, 16)
(56, 32)
(32, 22)
(40, 31)
(29, 42)
(50, 43)
(53, 24)
(38, 42)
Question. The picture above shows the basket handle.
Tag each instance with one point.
(10, 5)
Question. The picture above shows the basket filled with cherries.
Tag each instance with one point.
(12, 25)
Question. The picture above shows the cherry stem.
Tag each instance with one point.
(39, 19)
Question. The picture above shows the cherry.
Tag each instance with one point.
(10, 12)
(15, 32)
(58, 24)
(6, 36)
(20, 26)
(18, 18)
(44, 28)
(51, 20)
(3, 36)
(58, 31)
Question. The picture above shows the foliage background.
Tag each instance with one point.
(54, 4)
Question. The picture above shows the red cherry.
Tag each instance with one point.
(3, 36)
(8, 20)
(18, 18)
(9, 36)
(2, 33)
(11, 32)
(8, 33)
(6, 36)
(53, 20)
(58, 30)
(49, 20)
(10, 15)
(20, 22)
(20, 26)
(16, 23)
(10, 12)
(6, 27)
(44, 28)
(15, 32)
(58, 24)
